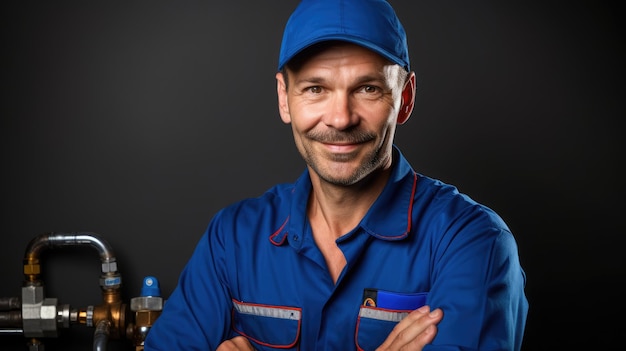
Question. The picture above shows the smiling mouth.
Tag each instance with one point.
(341, 147)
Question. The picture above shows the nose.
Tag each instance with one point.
(339, 113)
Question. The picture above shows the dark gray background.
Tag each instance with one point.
(138, 120)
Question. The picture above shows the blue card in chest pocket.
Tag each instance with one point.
(393, 300)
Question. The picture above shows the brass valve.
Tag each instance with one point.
(147, 308)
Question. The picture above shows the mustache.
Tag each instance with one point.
(337, 136)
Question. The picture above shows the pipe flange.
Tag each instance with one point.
(63, 316)
(89, 317)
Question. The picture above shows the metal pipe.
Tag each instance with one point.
(10, 303)
(101, 335)
(11, 331)
(40, 242)
(32, 266)
(110, 281)
(10, 319)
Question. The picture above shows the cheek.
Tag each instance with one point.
(299, 140)
(386, 129)
(381, 120)
(389, 133)
(299, 130)
(304, 118)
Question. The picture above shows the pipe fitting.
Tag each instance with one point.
(39, 314)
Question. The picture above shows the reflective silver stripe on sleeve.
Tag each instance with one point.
(273, 312)
(382, 315)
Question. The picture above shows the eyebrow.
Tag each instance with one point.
(359, 81)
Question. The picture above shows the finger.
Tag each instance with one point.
(227, 345)
(238, 343)
(424, 338)
(417, 329)
(403, 324)
(417, 344)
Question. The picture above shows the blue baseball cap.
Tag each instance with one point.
(372, 24)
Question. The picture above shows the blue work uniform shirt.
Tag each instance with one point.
(257, 272)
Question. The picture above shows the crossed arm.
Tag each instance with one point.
(417, 329)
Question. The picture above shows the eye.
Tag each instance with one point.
(314, 89)
(370, 89)
(370, 92)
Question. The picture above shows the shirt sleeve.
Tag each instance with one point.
(197, 315)
(478, 282)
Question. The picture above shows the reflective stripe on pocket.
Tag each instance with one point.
(374, 325)
(381, 314)
(267, 325)
(267, 311)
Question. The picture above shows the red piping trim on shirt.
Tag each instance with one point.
(278, 232)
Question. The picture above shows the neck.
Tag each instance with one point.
(335, 209)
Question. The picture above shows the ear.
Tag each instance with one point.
(283, 102)
(408, 99)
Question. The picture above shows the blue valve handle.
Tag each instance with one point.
(150, 287)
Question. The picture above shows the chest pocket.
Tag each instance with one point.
(273, 327)
(380, 312)
(374, 325)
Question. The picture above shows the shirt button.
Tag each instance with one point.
(295, 238)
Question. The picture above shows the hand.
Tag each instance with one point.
(417, 329)
(238, 343)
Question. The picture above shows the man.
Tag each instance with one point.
(361, 252)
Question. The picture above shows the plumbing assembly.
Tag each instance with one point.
(37, 317)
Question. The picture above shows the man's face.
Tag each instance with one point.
(343, 105)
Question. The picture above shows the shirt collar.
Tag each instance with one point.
(389, 218)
